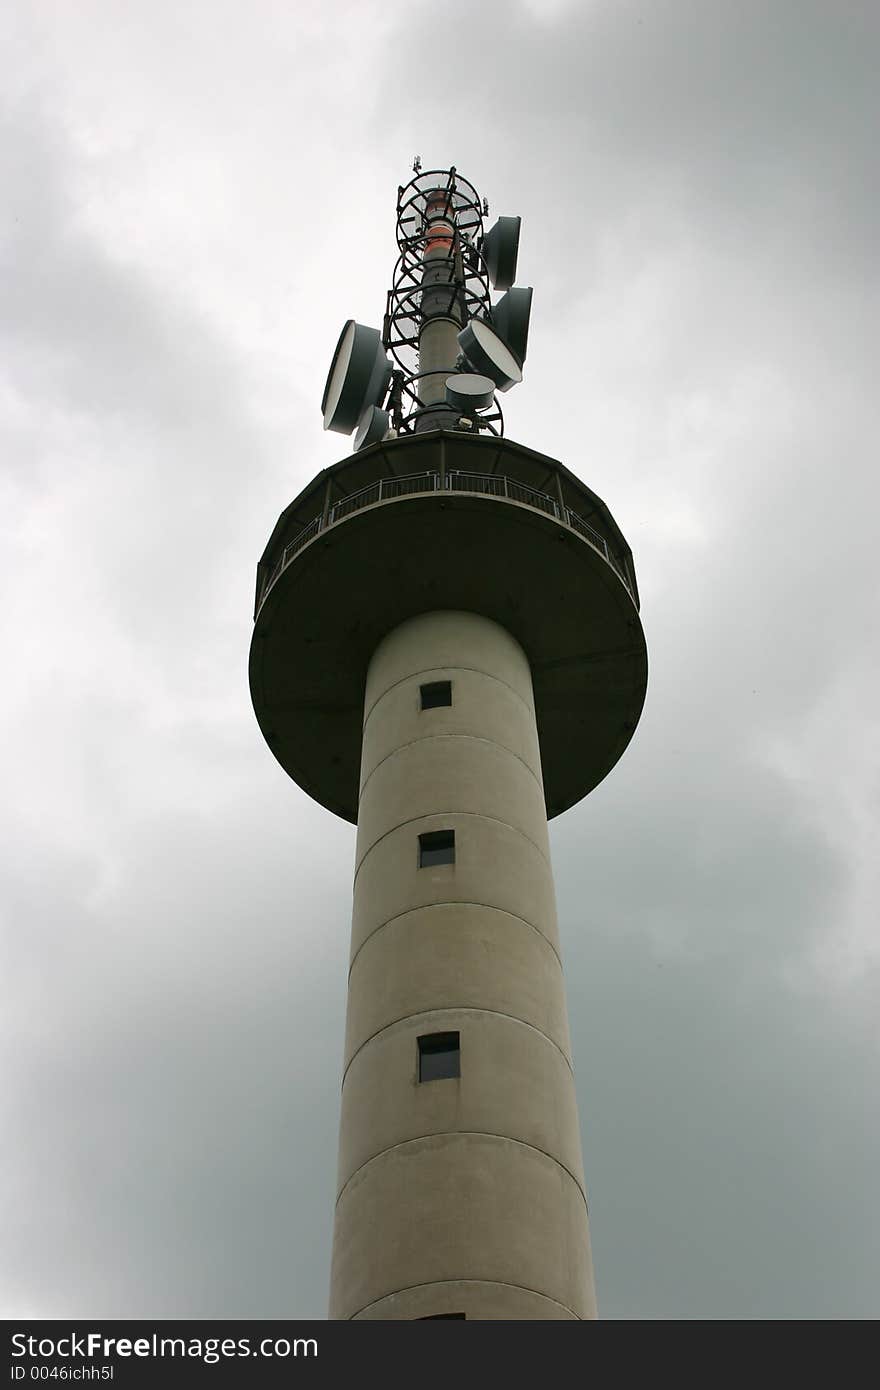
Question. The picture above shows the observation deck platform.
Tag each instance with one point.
(446, 520)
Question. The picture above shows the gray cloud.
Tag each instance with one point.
(699, 210)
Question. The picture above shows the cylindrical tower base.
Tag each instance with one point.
(461, 1188)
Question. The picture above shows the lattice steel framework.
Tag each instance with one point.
(458, 287)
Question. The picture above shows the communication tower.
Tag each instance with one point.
(447, 652)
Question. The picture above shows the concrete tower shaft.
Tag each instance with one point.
(492, 577)
(475, 1180)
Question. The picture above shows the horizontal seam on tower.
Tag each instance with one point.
(431, 738)
(424, 672)
(427, 815)
(454, 902)
(457, 1008)
(472, 1133)
(433, 1283)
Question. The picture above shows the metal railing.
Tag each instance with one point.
(483, 484)
(584, 529)
(487, 484)
(499, 486)
(383, 491)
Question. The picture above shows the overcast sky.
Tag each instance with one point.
(196, 196)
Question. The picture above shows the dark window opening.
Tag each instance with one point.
(439, 1058)
(435, 1317)
(436, 847)
(436, 693)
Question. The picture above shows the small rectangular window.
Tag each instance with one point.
(439, 1056)
(436, 693)
(436, 847)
